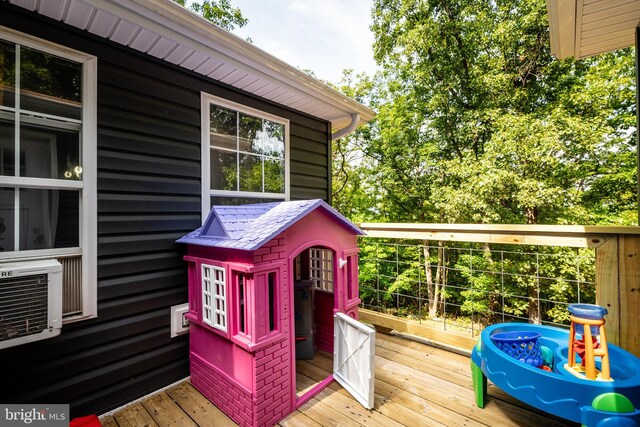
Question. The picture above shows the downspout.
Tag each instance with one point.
(355, 118)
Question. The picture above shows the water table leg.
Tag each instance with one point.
(479, 384)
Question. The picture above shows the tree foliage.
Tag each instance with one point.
(220, 12)
(478, 123)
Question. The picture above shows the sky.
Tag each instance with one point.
(324, 36)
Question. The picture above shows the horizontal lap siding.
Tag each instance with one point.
(148, 196)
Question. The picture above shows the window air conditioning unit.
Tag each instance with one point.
(30, 301)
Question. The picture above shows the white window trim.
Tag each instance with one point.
(317, 274)
(211, 321)
(206, 100)
(88, 209)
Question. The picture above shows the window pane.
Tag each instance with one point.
(241, 304)
(7, 74)
(50, 153)
(223, 127)
(273, 139)
(250, 130)
(224, 170)
(7, 146)
(273, 175)
(49, 84)
(250, 173)
(49, 219)
(7, 219)
(272, 301)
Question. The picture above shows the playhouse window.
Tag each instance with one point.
(47, 162)
(321, 269)
(241, 305)
(245, 154)
(214, 297)
(272, 301)
(352, 277)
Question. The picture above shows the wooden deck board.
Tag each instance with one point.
(108, 422)
(201, 411)
(166, 412)
(415, 384)
(134, 416)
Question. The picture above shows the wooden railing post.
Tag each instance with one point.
(618, 289)
(608, 287)
(629, 273)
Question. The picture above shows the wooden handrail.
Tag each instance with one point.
(574, 236)
(617, 260)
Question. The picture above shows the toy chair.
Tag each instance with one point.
(588, 320)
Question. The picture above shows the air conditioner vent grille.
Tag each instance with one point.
(23, 306)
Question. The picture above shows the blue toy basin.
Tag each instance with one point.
(521, 345)
(587, 311)
(558, 392)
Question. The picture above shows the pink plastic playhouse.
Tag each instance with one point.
(265, 281)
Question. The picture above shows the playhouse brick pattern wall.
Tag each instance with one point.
(271, 400)
(271, 251)
(273, 393)
(273, 389)
(226, 395)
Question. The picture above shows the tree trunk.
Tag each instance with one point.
(429, 276)
(435, 303)
(534, 301)
(494, 299)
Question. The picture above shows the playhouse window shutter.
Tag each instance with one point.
(214, 297)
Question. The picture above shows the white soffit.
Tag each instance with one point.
(582, 28)
(166, 30)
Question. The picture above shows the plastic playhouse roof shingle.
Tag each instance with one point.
(247, 227)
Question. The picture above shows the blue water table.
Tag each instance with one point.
(533, 364)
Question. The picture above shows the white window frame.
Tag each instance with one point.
(210, 286)
(321, 269)
(87, 187)
(206, 100)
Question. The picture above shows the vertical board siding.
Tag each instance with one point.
(148, 196)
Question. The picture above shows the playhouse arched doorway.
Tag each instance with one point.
(316, 284)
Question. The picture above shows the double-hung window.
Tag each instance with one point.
(47, 162)
(245, 154)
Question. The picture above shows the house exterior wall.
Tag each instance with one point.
(148, 196)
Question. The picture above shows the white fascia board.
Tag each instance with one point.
(562, 26)
(185, 27)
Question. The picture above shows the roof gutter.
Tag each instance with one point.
(186, 27)
(355, 119)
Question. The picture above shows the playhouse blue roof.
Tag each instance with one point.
(248, 227)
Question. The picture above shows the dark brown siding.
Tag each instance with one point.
(148, 196)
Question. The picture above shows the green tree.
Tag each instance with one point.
(220, 12)
(478, 123)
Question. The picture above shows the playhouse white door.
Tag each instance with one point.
(354, 348)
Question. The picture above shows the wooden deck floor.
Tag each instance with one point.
(416, 385)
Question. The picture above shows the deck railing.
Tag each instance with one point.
(446, 282)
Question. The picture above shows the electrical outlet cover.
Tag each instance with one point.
(179, 324)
